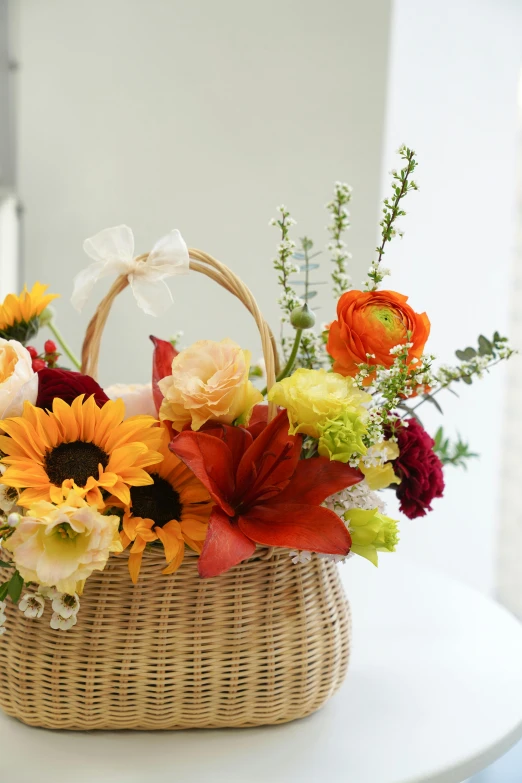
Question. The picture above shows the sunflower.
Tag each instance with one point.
(173, 509)
(81, 447)
(19, 314)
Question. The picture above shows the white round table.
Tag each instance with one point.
(434, 694)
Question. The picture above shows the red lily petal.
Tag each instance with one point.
(225, 546)
(210, 460)
(316, 479)
(164, 353)
(238, 439)
(296, 526)
(258, 419)
(269, 463)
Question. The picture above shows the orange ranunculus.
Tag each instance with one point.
(373, 322)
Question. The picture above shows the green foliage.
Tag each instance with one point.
(456, 453)
(392, 209)
(12, 587)
(285, 267)
(22, 331)
(15, 586)
(494, 348)
(255, 372)
(475, 361)
(340, 217)
(311, 353)
(304, 257)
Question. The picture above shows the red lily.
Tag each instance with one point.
(264, 494)
(164, 353)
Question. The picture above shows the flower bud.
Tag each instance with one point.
(371, 532)
(302, 317)
(47, 315)
(13, 520)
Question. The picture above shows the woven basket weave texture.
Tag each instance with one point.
(265, 643)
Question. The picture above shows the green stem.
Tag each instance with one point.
(287, 369)
(446, 385)
(307, 273)
(63, 345)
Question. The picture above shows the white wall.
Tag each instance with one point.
(206, 115)
(453, 97)
(199, 115)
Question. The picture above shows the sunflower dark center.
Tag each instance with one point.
(77, 461)
(159, 501)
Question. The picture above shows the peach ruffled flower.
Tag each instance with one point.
(209, 382)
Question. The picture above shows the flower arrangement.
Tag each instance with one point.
(203, 458)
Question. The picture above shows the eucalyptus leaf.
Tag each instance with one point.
(309, 295)
(430, 398)
(466, 355)
(485, 347)
(304, 267)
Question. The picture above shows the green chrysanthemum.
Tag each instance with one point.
(341, 438)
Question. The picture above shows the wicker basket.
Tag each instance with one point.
(267, 642)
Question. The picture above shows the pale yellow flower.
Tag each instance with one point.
(60, 546)
(311, 397)
(377, 465)
(209, 382)
(371, 532)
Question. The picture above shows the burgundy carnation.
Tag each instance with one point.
(419, 468)
(66, 385)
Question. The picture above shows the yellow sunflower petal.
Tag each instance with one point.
(176, 562)
(135, 565)
(29, 438)
(68, 420)
(122, 492)
(110, 417)
(171, 538)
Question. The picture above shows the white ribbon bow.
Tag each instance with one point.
(113, 254)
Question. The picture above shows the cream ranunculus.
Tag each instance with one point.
(137, 397)
(60, 546)
(18, 380)
(312, 397)
(209, 381)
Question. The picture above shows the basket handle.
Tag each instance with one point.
(207, 265)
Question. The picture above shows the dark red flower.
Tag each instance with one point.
(66, 385)
(264, 494)
(419, 468)
(164, 353)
